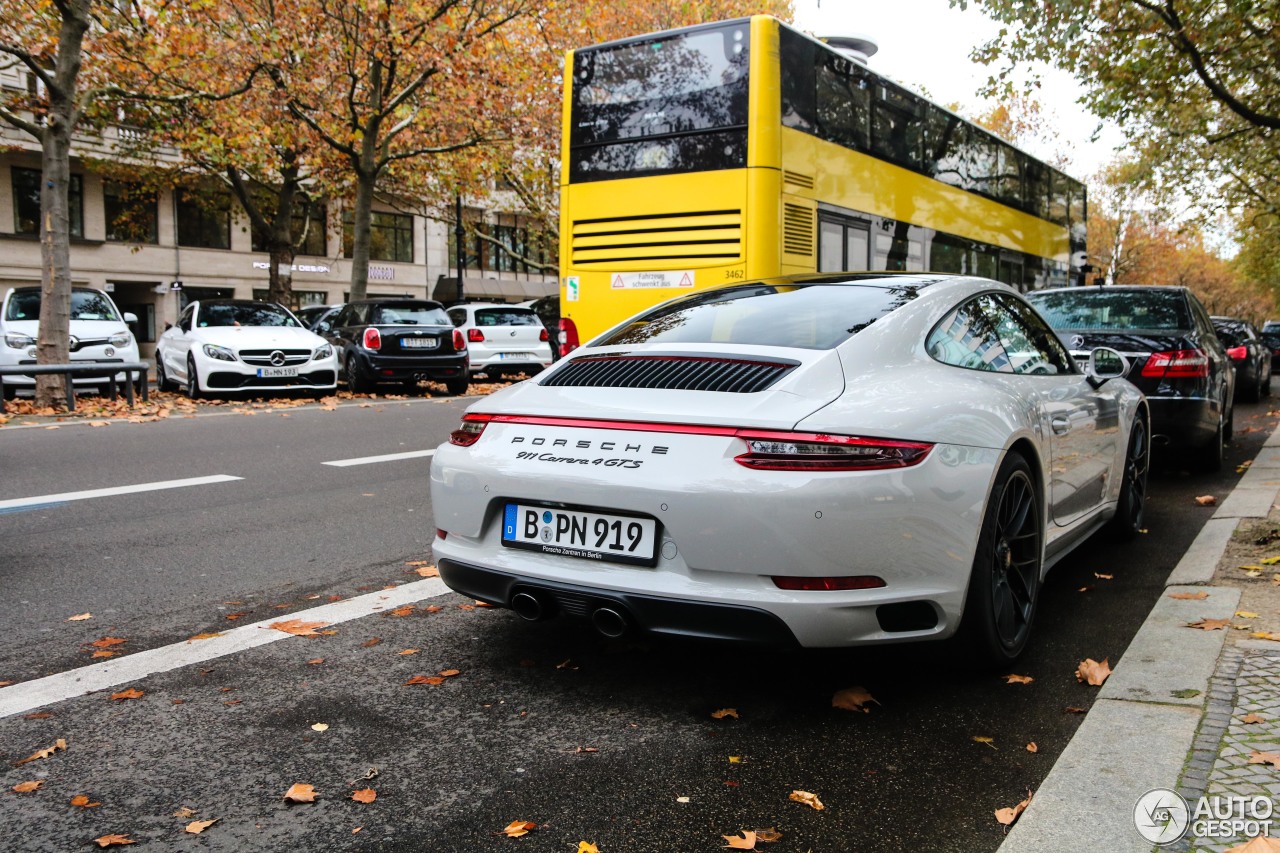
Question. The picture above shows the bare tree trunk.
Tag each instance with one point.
(361, 234)
(53, 345)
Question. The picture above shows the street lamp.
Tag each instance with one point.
(458, 234)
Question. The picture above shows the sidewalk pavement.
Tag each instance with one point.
(1170, 714)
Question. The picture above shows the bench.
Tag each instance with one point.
(137, 370)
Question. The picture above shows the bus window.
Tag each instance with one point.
(897, 127)
(844, 104)
(1008, 188)
(945, 139)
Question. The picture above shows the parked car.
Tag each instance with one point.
(1174, 354)
(548, 310)
(221, 345)
(1271, 326)
(1250, 355)
(1272, 341)
(99, 334)
(503, 338)
(311, 315)
(397, 340)
(824, 460)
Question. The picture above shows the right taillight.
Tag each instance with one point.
(1176, 364)
(475, 336)
(792, 451)
(468, 433)
(568, 336)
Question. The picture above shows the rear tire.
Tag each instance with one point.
(1004, 586)
(193, 380)
(457, 387)
(357, 382)
(1208, 457)
(163, 382)
(1127, 522)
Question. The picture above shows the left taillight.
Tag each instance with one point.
(468, 433)
(459, 341)
(544, 335)
(1238, 353)
(792, 451)
(372, 339)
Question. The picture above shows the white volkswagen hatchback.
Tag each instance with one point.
(223, 345)
(99, 333)
(822, 461)
(503, 338)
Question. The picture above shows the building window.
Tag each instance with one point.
(131, 213)
(26, 202)
(310, 217)
(390, 236)
(304, 297)
(204, 221)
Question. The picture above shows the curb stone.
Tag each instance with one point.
(1157, 722)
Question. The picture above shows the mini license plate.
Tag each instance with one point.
(419, 343)
(579, 533)
(277, 371)
(520, 356)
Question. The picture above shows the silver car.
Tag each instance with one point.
(822, 461)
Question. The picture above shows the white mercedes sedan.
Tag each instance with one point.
(824, 461)
(224, 345)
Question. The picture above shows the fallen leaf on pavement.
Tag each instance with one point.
(724, 712)
(746, 841)
(807, 798)
(1272, 758)
(989, 741)
(428, 572)
(450, 673)
(517, 828)
(240, 614)
(27, 787)
(185, 812)
(371, 642)
(82, 802)
(853, 699)
(38, 715)
(1018, 679)
(300, 792)
(59, 744)
(1093, 672)
(102, 653)
(131, 693)
(1190, 596)
(364, 795)
(1206, 500)
(198, 826)
(1249, 719)
(587, 847)
(1209, 624)
(1265, 635)
(1104, 577)
(1031, 747)
(113, 841)
(1085, 589)
(316, 661)
(107, 642)
(80, 617)
(403, 610)
(408, 652)
(768, 835)
(1246, 614)
(1008, 816)
(320, 727)
(425, 679)
(298, 628)
(206, 636)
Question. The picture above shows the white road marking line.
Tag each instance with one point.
(390, 457)
(29, 695)
(118, 490)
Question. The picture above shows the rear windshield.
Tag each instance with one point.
(244, 314)
(506, 317)
(409, 315)
(1087, 308)
(806, 316)
(85, 305)
(1232, 337)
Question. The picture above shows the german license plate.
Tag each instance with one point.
(277, 371)
(419, 343)
(581, 533)
(519, 356)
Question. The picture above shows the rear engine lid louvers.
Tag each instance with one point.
(728, 374)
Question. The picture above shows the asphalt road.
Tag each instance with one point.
(591, 740)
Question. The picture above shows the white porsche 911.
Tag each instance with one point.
(826, 460)
(222, 345)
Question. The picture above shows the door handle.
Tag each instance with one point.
(1061, 426)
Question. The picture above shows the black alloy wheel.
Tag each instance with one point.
(193, 381)
(1208, 457)
(357, 382)
(457, 387)
(1127, 522)
(163, 382)
(1004, 587)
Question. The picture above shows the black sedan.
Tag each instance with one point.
(1175, 357)
(397, 340)
(1250, 354)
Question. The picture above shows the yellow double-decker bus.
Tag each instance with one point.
(746, 149)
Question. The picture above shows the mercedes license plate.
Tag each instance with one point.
(277, 371)
(419, 343)
(581, 533)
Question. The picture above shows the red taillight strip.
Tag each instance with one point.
(907, 453)
(1175, 364)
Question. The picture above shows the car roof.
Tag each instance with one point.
(1114, 288)
(399, 300)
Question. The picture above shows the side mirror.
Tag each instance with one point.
(323, 326)
(131, 318)
(168, 326)
(1104, 365)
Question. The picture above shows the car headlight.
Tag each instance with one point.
(120, 339)
(322, 352)
(220, 353)
(17, 340)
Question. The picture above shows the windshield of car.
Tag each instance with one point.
(85, 305)
(506, 317)
(805, 316)
(244, 314)
(1089, 308)
(409, 315)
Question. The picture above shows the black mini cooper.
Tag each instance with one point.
(397, 340)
